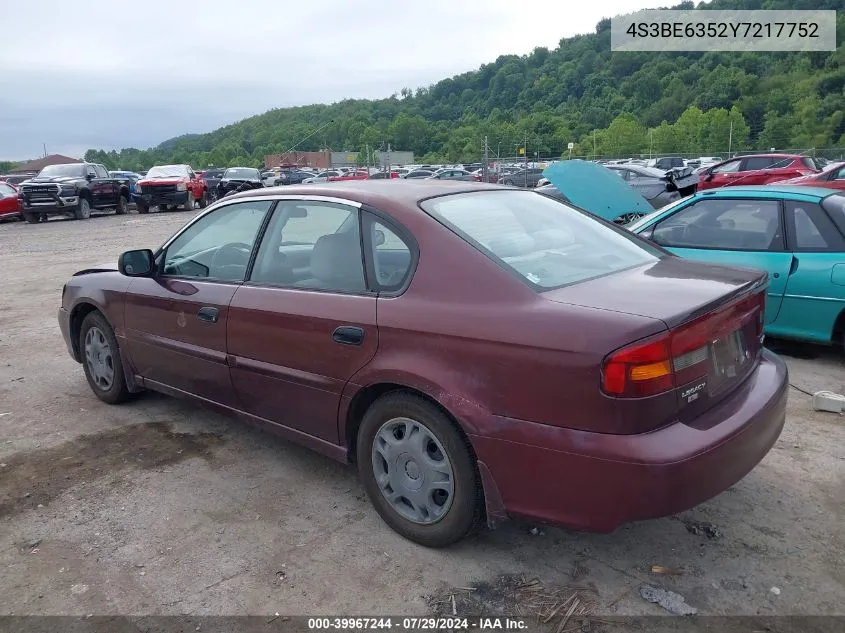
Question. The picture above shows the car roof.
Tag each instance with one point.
(751, 191)
(377, 193)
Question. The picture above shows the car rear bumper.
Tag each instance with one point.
(156, 198)
(596, 482)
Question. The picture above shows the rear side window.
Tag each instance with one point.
(813, 231)
(727, 168)
(547, 243)
(759, 162)
(809, 162)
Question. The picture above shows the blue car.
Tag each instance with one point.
(795, 233)
(131, 176)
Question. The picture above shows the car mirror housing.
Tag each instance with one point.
(137, 263)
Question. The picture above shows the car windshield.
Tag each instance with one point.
(241, 172)
(72, 169)
(167, 171)
(546, 242)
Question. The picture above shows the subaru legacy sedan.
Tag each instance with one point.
(480, 352)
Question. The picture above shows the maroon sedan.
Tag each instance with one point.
(480, 352)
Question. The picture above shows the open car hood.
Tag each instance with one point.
(596, 189)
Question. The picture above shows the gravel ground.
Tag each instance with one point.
(160, 507)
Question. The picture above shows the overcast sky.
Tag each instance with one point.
(103, 75)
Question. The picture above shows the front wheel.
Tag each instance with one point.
(418, 471)
(204, 200)
(83, 210)
(101, 359)
(189, 201)
(31, 218)
(508, 183)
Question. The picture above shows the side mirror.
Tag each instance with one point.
(139, 263)
(89, 176)
(378, 237)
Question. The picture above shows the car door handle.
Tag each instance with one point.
(348, 335)
(208, 314)
(793, 266)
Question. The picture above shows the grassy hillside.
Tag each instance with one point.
(607, 103)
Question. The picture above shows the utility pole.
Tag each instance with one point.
(594, 143)
(650, 141)
(387, 163)
(525, 165)
(730, 138)
(484, 175)
(45, 150)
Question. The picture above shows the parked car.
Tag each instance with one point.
(523, 178)
(352, 174)
(665, 163)
(450, 173)
(211, 177)
(17, 179)
(418, 173)
(270, 179)
(757, 169)
(604, 359)
(73, 190)
(797, 234)
(238, 179)
(10, 205)
(293, 176)
(833, 177)
(382, 175)
(322, 176)
(657, 186)
(171, 186)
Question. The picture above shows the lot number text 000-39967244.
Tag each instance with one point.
(705, 30)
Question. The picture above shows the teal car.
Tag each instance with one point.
(795, 233)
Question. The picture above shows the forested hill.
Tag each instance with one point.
(607, 103)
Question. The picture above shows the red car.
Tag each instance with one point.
(479, 351)
(170, 186)
(757, 169)
(357, 174)
(833, 177)
(10, 204)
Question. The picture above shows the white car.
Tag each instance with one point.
(322, 176)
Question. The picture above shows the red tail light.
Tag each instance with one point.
(678, 356)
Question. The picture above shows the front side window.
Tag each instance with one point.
(312, 245)
(100, 171)
(218, 245)
(758, 162)
(752, 225)
(727, 168)
(546, 242)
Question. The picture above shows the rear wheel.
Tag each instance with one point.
(101, 359)
(122, 205)
(204, 200)
(31, 217)
(83, 210)
(418, 470)
(508, 183)
(189, 201)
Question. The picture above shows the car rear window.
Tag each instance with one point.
(810, 162)
(546, 242)
(835, 207)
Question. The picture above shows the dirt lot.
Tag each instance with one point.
(159, 507)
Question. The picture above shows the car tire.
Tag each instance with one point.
(31, 218)
(122, 205)
(141, 206)
(448, 457)
(101, 359)
(189, 201)
(83, 210)
(204, 200)
(508, 183)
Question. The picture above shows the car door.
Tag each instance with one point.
(176, 321)
(722, 175)
(758, 170)
(813, 299)
(104, 191)
(8, 200)
(743, 232)
(296, 335)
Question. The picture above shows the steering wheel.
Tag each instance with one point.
(239, 249)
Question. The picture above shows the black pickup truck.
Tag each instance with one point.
(74, 190)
